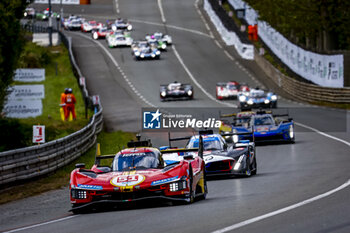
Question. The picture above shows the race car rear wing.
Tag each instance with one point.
(200, 149)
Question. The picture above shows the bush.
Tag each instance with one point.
(34, 56)
(14, 134)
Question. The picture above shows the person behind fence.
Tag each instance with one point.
(63, 104)
(70, 104)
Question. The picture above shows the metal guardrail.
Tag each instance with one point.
(26, 163)
(302, 91)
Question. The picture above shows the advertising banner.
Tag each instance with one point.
(38, 133)
(29, 75)
(23, 108)
(66, 2)
(26, 92)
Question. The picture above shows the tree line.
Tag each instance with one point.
(318, 25)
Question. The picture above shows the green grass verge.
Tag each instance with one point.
(110, 144)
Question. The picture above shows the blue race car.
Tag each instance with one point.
(143, 50)
(258, 99)
(266, 126)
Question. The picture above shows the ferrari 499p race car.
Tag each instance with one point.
(175, 91)
(267, 127)
(88, 26)
(237, 159)
(100, 33)
(138, 173)
(258, 99)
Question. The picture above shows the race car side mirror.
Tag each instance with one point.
(80, 165)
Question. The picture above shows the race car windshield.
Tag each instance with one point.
(208, 144)
(267, 120)
(138, 161)
(231, 87)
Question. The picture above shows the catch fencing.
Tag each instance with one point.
(34, 161)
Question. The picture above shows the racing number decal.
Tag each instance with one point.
(127, 180)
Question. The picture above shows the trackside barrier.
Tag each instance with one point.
(299, 90)
(26, 163)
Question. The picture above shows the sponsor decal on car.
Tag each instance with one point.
(92, 187)
(127, 180)
(163, 181)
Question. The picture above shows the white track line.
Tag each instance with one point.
(121, 71)
(161, 11)
(299, 204)
(117, 6)
(41, 224)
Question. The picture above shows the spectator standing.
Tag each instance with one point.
(63, 108)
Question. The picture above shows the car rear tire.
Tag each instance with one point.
(255, 170)
(248, 172)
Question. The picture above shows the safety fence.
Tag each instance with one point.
(34, 161)
(300, 90)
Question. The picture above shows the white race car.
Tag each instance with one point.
(116, 39)
(88, 26)
(160, 37)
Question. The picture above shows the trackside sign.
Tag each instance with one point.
(29, 75)
(38, 133)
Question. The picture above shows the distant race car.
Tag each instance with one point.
(258, 98)
(158, 44)
(119, 24)
(227, 90)
(160, 37)
(72, 22)
(45, 15)
(220, 158)
(143, 50)
(176, 90)
(29, 13)
(243, 89)
(100, 33)
(138, 173)
(88, 26)
(118, 39)
(267, 127)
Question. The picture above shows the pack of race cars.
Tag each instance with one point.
(142, 172)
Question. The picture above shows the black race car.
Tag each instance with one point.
(176, 90)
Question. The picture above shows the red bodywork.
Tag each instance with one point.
(96, 185)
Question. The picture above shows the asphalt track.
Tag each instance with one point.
(288, 174)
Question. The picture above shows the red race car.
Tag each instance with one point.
(227, 90)
(100, 33)
(139, 173)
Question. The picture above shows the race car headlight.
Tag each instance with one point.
(242, 98)
(235, 138)
(44, 17)
(137, 53)
(176, 186)
(153, 55)
(189, 92)
(142, 55)
(129, 27)
(78, 194)
(158, 52)
(114, 28)
(163, 93)
(291, 131)
(163, 46)
(274, 97)
(25, 14)
(266, 101)
(238, 164)
(250, 102)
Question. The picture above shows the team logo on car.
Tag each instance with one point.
(152, 120)
(127, 180)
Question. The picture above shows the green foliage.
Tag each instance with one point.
(317, 24)
(34, 56)
(11, 41)
(14, 134)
